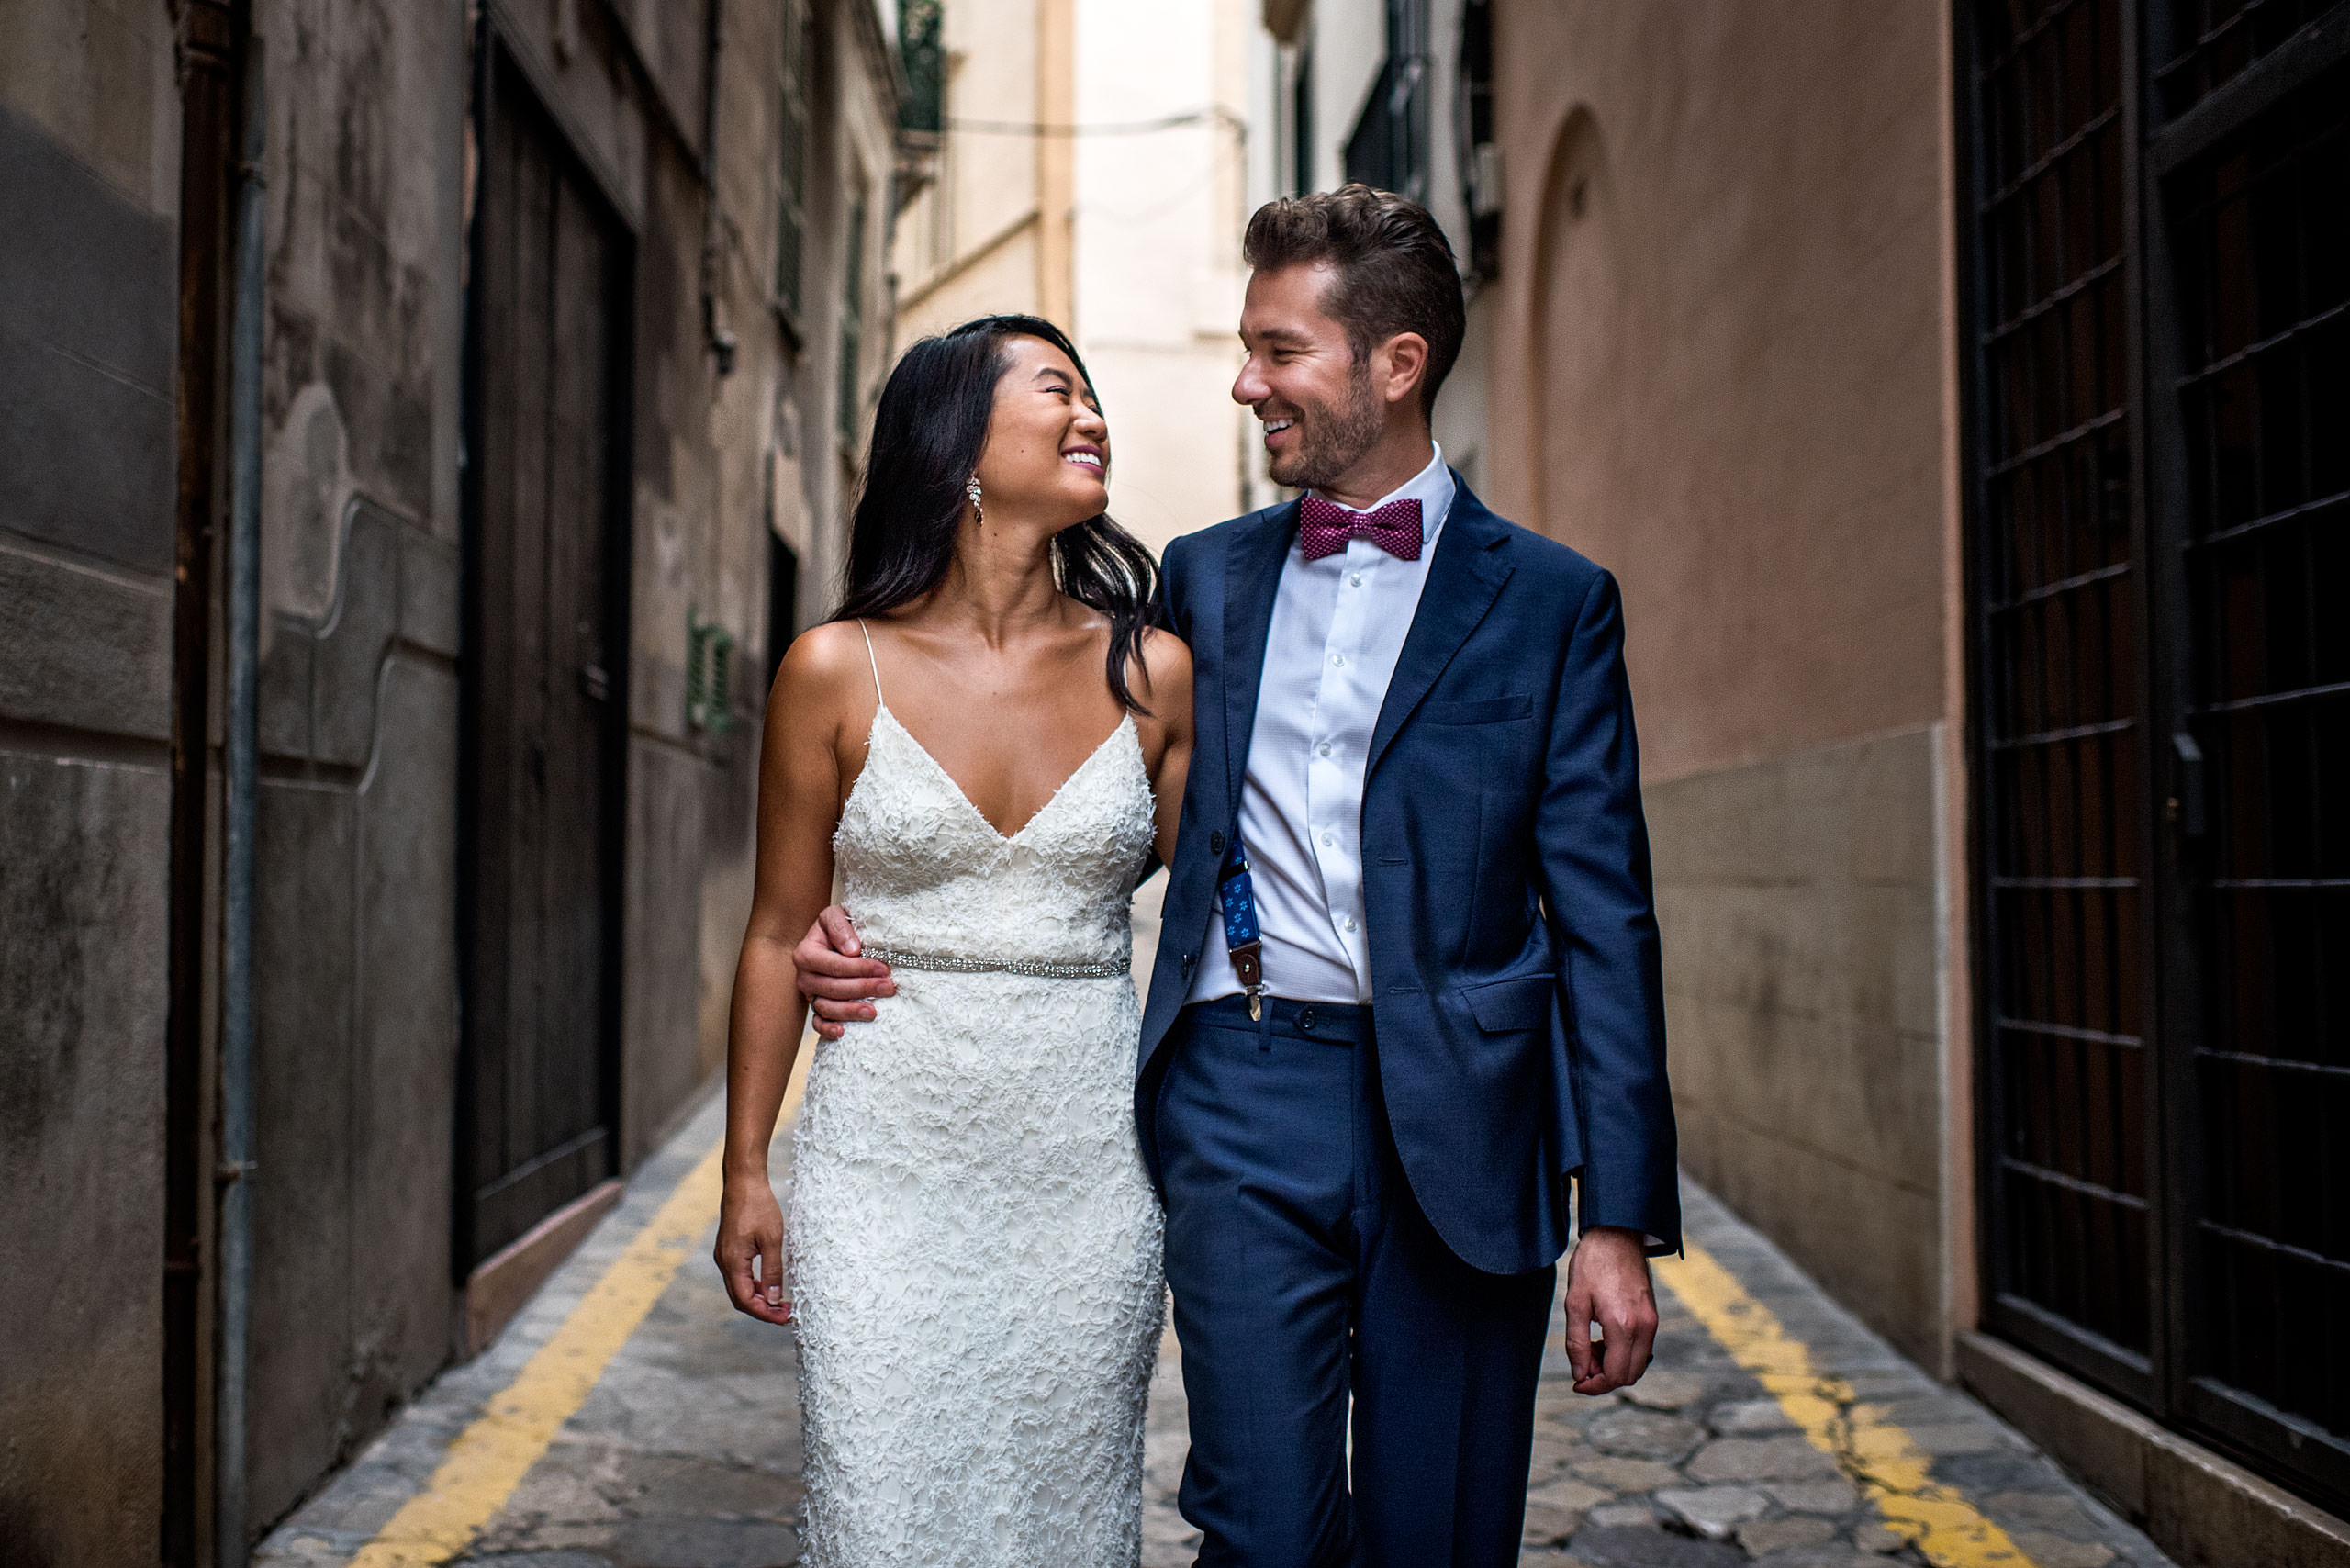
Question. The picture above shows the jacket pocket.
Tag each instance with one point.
(1486, 710)
(1521, 1003)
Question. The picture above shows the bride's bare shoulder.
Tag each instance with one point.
(1160, 673)
(826, 668)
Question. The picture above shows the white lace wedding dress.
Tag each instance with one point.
(977, 1272)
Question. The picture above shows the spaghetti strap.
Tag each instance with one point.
(869, 659)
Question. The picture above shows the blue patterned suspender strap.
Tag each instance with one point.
(1236, 896)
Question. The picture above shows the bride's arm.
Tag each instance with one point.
(800, 794)
(1163, 680)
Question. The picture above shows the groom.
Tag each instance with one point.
(1415, 732)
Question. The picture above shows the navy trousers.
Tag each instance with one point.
(1306, 1279)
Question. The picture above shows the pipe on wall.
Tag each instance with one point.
(714, 331)
(232, 1365)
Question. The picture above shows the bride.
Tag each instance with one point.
(987, 743)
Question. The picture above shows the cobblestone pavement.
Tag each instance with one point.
(1698, 1466)
(683, 1450)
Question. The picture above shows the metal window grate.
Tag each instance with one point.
(2159, 311)
(2261, 237)
(2063, 734)
(923, 57)
(2213, 41)
(710, 676)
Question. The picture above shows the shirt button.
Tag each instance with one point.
(1339, 660)
(1356, 580)
(1324, 749)
(1329, 841)
(1351, 923)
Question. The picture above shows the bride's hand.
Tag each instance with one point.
(750, 1232)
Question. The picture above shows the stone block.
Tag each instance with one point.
(1643, 1433)
(430, 593)
(1760, 1459)
(405, 1015)
(1878, 1537)
(1625, 1475)
(354, 638)
(1761, 1537)
(1798, 898)
(2102, 1440)
(83, 911)
(288, 659)
(2202, 1510)
(300, 1419)
(1666, 1389)
(661, 1029)
(1748, 1416)
(1865, 1242)
(1713, 1512)
(2198, 1508)
(83, 646)
(89, 333)
(1604, 1547)
(2050, 1551)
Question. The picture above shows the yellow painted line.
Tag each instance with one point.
(491, 1457)
(1878, 1454)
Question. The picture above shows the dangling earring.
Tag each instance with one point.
(973, 490)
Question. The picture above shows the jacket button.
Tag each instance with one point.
(1215, 844)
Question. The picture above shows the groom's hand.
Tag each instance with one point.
(838, 983)
(1607, 1283)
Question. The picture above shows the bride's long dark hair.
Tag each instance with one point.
(927, 432)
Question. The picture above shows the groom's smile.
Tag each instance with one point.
(1316, 390)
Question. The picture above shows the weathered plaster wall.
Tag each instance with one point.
(1721, 367)
(1723, 355)
(354, 927)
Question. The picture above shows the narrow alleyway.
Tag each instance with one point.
(629, 1418)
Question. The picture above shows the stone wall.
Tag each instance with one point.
(1799, 900)
(89, 144)
(357, 1298)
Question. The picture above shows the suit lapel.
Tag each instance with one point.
(1252, 576)
(1464, 578)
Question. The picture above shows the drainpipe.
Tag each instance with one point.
(237, 892)
(720, 341)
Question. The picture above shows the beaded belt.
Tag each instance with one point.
(1034, 969)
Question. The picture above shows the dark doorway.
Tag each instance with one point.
(2159, 199)
(783, 604)
(544, 661)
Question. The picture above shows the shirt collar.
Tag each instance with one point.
(1432, 486)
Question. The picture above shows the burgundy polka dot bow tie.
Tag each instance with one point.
(1324, 528)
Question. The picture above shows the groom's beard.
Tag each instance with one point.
(1332, 437)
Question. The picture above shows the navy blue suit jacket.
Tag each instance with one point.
(1505, 874)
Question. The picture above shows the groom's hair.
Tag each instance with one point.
(1396, 270)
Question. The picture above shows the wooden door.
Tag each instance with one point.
(544, 658)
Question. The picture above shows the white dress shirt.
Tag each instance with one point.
(1338, 629)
